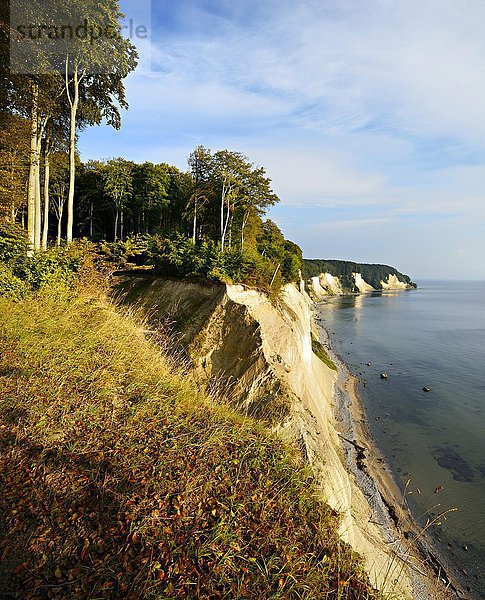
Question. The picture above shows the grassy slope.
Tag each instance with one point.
(121, 481)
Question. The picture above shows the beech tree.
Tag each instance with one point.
(200, 162)
(81, 73)
(59, 185)
(150, 184)
(94, 72)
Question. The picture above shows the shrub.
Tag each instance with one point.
(134, 249)
(11, 285)
(13, 243)
(57, 268)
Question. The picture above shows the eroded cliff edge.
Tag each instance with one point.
(260, 355)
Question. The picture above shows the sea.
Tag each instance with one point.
(434, 442)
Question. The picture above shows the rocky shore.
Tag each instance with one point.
(428, 574)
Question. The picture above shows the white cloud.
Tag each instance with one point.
(307, 177)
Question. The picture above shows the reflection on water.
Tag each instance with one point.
(431, 337)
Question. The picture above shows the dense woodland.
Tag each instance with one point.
(205, 221)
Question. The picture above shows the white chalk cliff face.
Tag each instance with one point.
(325, 284)
(362, 285)
(316, 288)
(393, 283)
(329, 285)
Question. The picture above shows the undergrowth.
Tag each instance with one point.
(121, 481)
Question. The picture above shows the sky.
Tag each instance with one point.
(368, 116)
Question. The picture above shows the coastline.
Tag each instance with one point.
(427, 572)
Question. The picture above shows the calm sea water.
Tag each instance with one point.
(433, 336)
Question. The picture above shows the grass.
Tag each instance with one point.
(320, 351)
(120, 480)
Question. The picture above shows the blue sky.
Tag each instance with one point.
(368, 115)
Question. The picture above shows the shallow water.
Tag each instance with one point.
(433, 336)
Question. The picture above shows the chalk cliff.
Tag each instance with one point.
(260, 357)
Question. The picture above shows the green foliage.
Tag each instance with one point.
(57, 268)
(132, 250)
(269, 269)
(372, 274)
(13, 243)
(11, 285)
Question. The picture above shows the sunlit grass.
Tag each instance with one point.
(122, 480)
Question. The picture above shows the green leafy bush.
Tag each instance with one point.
(11, 285)
(135, 249)
(268, 265)
(13, 244)
(57, 268)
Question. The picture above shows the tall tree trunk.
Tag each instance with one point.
(34, 116)
(230, 230)
(116, 225)
(38, 203)
(59, 226)
(74, 102)
(244, 223)
(91, 209)
(41, 125)
(274, 275)
(194, 231)
(226, 223)
(122, 224)
(45, 230)
(223, 198)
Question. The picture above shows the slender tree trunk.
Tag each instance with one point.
(274, 275)
(226, 222)
(230, 230)
(223, 198)
(59, 225)
(122, 224)
(45, 231)
(38, 203)
(91, 209)
(116, 225)
(194, 231)
(34, 116)
(244, 223)
(74, 102)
